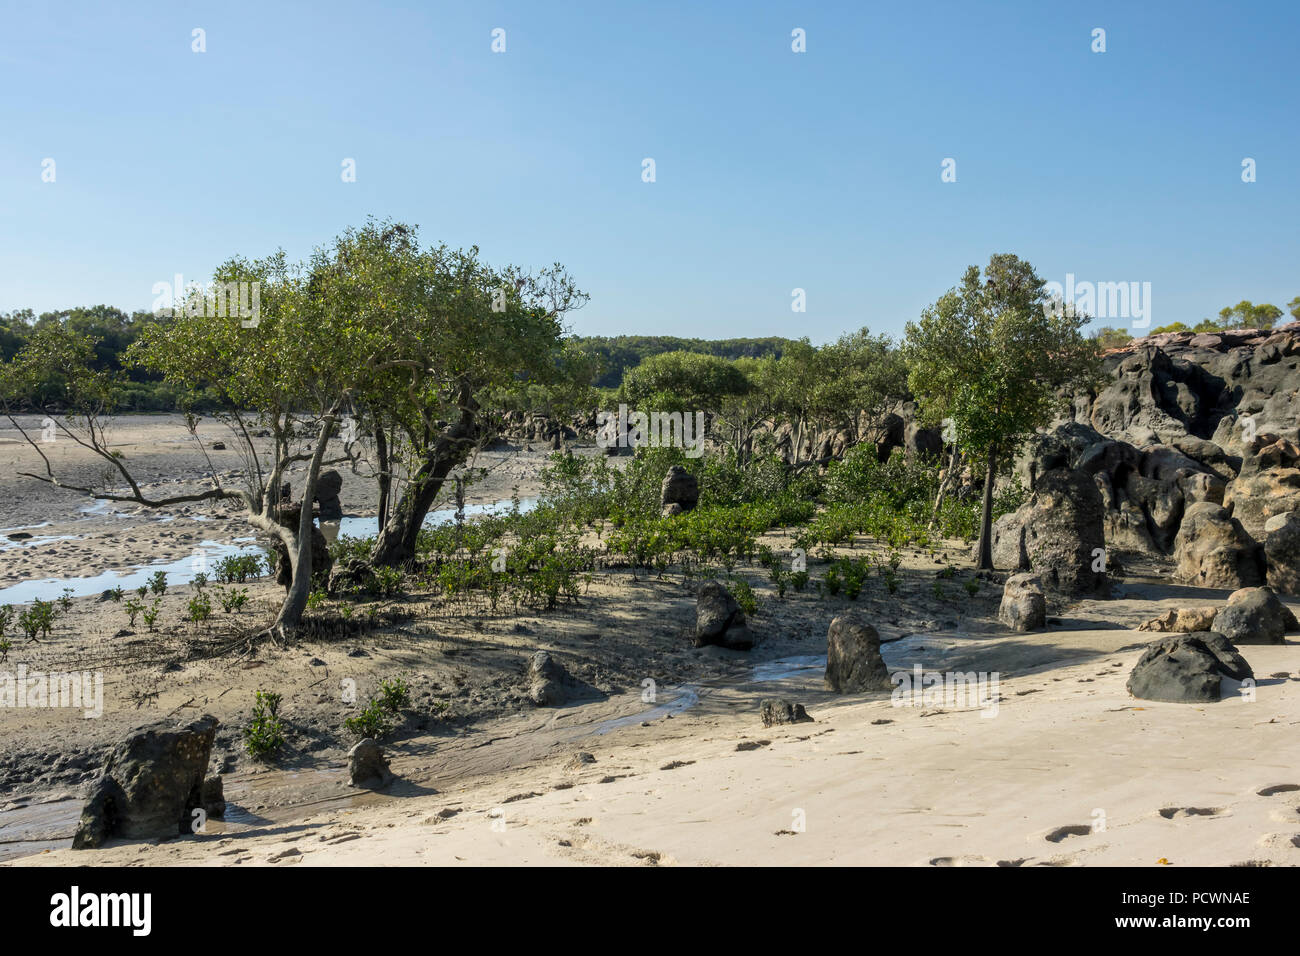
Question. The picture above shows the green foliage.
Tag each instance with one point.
(394, 694)
(151, 613)
(264, 735)
(37, 619)
(232, 599)
(744, 595)
(132, 608)
(237, 568)
(372, 721)
(682, 382)
(200, 608)
(158, 582)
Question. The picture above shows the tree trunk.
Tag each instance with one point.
(385, 477)
(986, 515)
(295, 602)
(953, 462)
(395, 545)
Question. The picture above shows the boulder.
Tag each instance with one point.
(854, 664)
(1186, 620)
(1213, 550)
(1282, 552)
(1008, 544)
(1024, 608)
(547, 680)
(681, 488)
(776, 711)
(719, 620)
(1062, 533)
(1253, 616)
(151, 783)
(1188, 668)
(920, 442)
(367, 766)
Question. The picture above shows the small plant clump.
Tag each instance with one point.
(264, 735)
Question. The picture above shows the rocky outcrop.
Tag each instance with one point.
(1282, 552)
(1184, 419)
(1024, 608)
(680, 491)
(854, 664)
(719, 620)
(1187, 669)
(1213, 550)
(151, 784)
(1058, 534)
(1268, 485)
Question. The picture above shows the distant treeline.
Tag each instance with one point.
(113, 331)
(617, 354)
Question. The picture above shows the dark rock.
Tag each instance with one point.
(854, 664)
(1187, 668)
(151, 783)
(719, 620)
(680, 487)
(367, 766)
(1058, 534)
(1253, 616)
(774, 711)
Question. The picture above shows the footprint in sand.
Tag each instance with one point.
(1278, 788)
(1170, 813)
(960, 861)
(1060, 833)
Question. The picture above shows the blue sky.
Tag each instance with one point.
(775, 170)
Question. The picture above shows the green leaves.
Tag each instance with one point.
(990, 357)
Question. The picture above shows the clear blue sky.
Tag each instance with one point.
(775, 170)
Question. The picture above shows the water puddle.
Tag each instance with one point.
(688, 695)
(183, 570)
(368, 527)
(28, 828)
